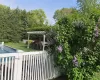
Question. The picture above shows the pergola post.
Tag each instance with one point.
(28, 40)
(40, 33)
(43, 42)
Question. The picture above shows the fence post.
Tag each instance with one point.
(18, 67)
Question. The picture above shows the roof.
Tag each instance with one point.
(36, 32)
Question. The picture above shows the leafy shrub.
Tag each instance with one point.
(77, 50)
(45, 28)
(29, 41)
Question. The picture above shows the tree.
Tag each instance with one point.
(87, 5)
(12, 23)
(4, 12)
(15, 23)
(63, 13)
(24, 24)
(36, 18)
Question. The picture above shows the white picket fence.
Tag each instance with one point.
(27, 66)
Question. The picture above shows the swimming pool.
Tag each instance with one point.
(7, 49)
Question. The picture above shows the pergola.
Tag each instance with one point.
(39, 33)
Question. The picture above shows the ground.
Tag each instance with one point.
(97, 75)
(23, 47)
(20, 46)
(60, 78)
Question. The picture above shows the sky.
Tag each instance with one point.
(49, 6)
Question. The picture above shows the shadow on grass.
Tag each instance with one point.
(61, 78)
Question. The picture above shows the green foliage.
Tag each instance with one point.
(77, 40)
(15, 23)
(39, 28)
(77, 45)
(11, 24)
(86, 6)
(29, 41)
(63, 13)
(36, 18)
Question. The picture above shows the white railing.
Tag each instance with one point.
(27, 66)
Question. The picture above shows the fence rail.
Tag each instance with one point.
(27, 66)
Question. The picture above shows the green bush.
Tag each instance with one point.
(29, 41)
(77, 50)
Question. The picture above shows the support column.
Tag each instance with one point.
(28, 40)
(43, 42)
(18, 67)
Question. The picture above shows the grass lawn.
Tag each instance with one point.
(20, 46)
